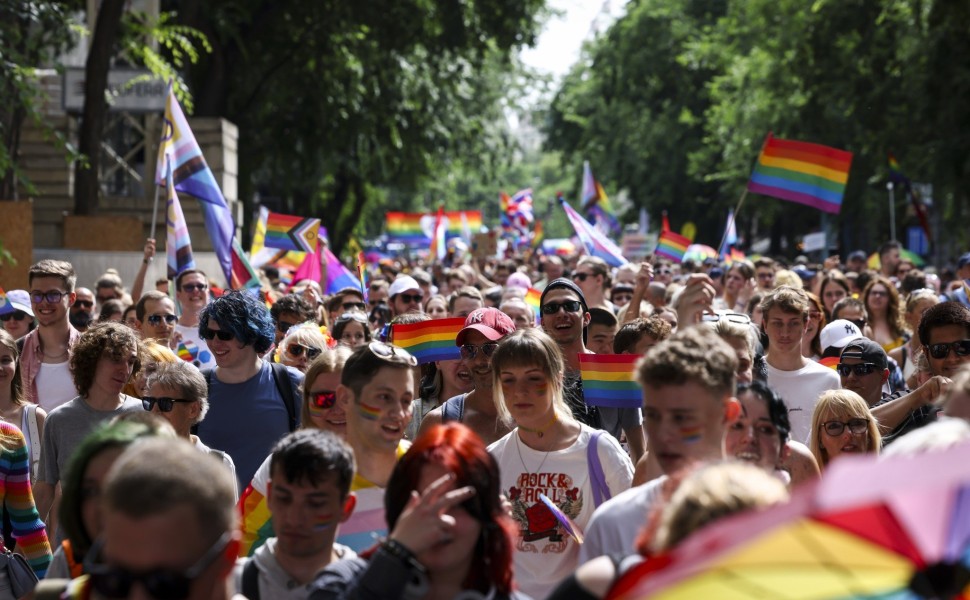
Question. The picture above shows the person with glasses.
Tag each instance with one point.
(405, 296)
(82, 312)
(177, 392)
(47, 349)
(592, 275)
(842, 424)
(302, 344)
(764, 272)
(156, 318)
(290, 310)
(479, 338)
(16, 315)
(350, 329)
(345, 300)
(249, 408)
(102, 362)
(192, 295)
(168, 527)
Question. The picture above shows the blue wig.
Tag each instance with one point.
(244, 315)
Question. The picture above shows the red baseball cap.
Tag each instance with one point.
(490, 322)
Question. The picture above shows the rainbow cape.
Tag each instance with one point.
(672, 245)
(430, 340)
(608, 380)
(809, 174)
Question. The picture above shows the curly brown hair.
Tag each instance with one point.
(110, 339)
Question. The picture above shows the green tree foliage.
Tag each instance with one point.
(343, 104)
(704, 82)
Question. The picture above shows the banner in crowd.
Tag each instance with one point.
(418, 228)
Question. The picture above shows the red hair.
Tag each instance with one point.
(459, 450)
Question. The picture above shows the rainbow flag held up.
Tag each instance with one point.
(409, 228)
(430, 340)
(608, 380)
(406, 228)
(4, 303)
(733, 256)
(242, 276)
(532, 298)
(801, 172)
(672, 245)
(593, 239)
(338, 276)
(289, 232)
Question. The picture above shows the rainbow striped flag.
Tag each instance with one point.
(408, 228)
(289, 232)
(672, 245)
(178, 246)
(4, 303)
(430, 340)
(733, 256)
(809, 174)
(608, 380)
(532, 298)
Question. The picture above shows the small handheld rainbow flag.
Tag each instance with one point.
(672, 245)
(430, 340)
(532, 298)
(608, 380)
(809, 174)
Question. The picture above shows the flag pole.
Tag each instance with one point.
(734, 218)
(155, 208)
(892, 210)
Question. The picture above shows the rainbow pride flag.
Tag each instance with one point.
(532, 298)
(801, 172)
(430, 340)
(608, 380)
(672, 245)
(289, 232)
(407, 228)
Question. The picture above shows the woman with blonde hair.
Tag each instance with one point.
(302, 344)
(151, 354)
(842, 424)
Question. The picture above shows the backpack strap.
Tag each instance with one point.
(452, 410)
(597, 478)
(282, 378)
(250, 580)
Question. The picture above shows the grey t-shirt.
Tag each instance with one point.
(65, 428)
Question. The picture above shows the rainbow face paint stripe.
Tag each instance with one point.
(371, 413)
(325, 521)
(691, 435)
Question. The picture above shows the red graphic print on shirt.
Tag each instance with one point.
(539, 530)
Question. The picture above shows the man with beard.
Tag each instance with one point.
(82, 311)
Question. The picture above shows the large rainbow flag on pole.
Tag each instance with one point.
(809, 174)
(608, 380)
(193, 176)
(430, 340)
(595, 242)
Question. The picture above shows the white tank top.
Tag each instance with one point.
(55, 386)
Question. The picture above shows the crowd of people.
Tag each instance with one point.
(194, 442)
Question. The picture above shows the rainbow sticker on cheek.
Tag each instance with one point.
(541, 390)
(325, 521)
(371, 413)
(691, 435)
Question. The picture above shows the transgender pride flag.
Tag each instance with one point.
(178, 246)
(595, 242)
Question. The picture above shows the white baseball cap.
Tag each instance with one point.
(838, 333)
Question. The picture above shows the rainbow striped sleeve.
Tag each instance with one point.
(809, 174)
(430, 340)
(18, 500)
(608, 380)
(255, 519)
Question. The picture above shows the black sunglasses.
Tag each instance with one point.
(163, 584)
(409, 298)
(581, 276)
(52, 297)
(856, 426)
(354, 305)
(283, 326)
(470, 351)
(296, 351)
(194, 287)
(17, 315)
(165, 404)
(211, 334)
(939, 351)
(84, 304)
(392, 354)
(323, 400)
(156, 320)
(570, 306)
(860, 370)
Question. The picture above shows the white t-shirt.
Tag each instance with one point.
(800, 390)
(55, 386)
(193, 348)
(617, 523)
(544, 553)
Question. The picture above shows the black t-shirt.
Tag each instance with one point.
(572, 391)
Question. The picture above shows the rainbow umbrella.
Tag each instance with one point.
(895, 529)
(874, 263)
(698, 252)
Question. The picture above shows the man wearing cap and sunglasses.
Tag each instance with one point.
(405, 296)
(16, 316)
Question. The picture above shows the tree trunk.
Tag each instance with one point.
(86, 186)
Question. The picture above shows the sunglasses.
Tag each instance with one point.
(354, 305)
(283, 326)
(194, 287)
(210, 334)
(569, 306)
(84, 304)
(156, 320)
(296, 351)
(860, 370)
(52, 297)
(409, 298)
(323, 400)
(856, 426)
(392, 354)
(470, 351)
(581, 276)
(162, 584)
(939, 351)
(17, 315)
(165, 404)
(731, 317)
(664, 272)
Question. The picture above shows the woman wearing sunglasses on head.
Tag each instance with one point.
(18, 319)
(301, 346)
(842, 424)
(350, 329)
(320, 411)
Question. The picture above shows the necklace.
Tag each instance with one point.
(61, 355)
(518, 449)
(540, 432)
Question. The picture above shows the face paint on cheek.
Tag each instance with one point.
(324, 521)
(541, 390)
(691, 435)
(316, 411)
(371, 413)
